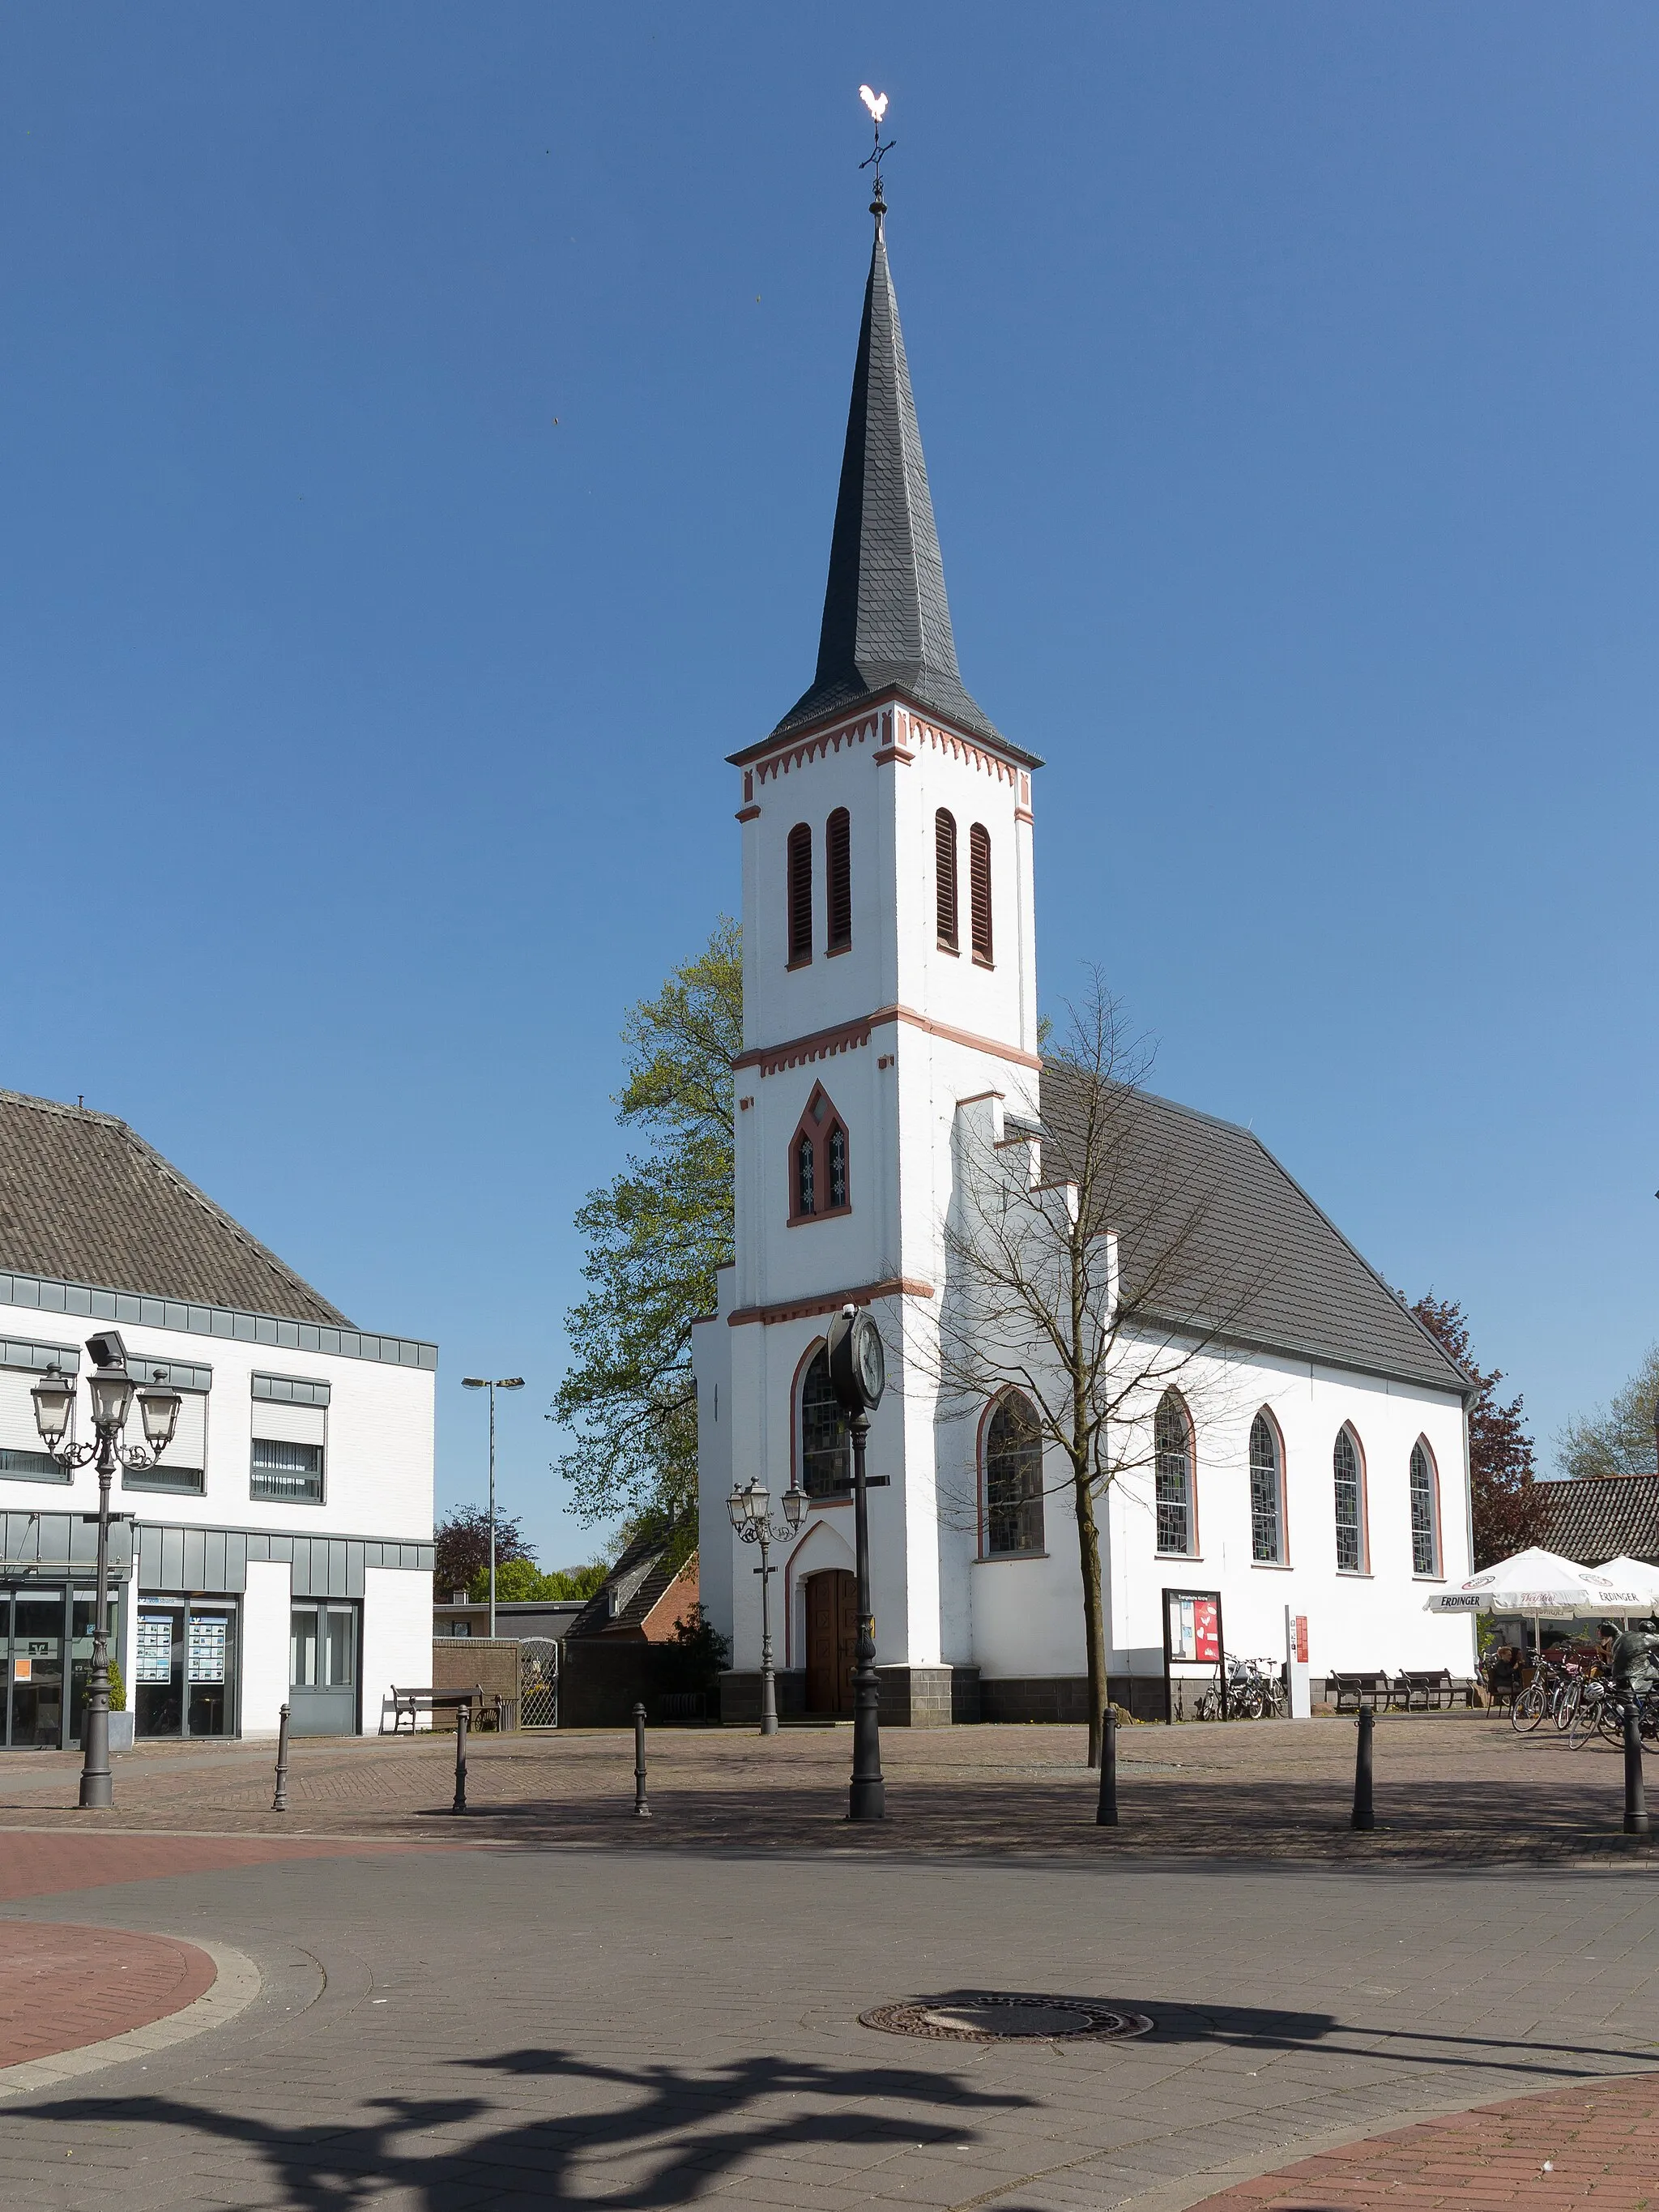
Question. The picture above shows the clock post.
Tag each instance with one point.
(858, 1369)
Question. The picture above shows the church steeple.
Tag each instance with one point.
(886, 620)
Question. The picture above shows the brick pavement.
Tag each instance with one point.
(1456, 1789)
(1597, 2146)
(37, 1863)
(63, 1987)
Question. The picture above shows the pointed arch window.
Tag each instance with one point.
(822, 1434)
(979, 891)
(1012, 1519)
(1172, 1450)
(1425, 1512)
(799, 893)
(944, 877)
(1348, 1474)
(838, 878)
(820, 1172)
(1267, 1494)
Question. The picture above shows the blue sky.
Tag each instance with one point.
(1287, 379)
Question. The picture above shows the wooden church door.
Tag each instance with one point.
(832, 1641)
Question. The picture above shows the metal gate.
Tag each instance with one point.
(538, 1682)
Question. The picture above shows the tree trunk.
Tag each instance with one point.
(1094, 1632)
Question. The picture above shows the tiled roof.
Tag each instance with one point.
(886, 620)
(1211, 1230)
(83, 1199)
(1603, 1517)
(624, 1600)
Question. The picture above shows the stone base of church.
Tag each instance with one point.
(1065, 1696)
(911, 1696)
(740, 1695)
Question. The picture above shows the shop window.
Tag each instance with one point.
(186, 1677)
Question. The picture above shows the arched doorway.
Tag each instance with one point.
(832, 1638)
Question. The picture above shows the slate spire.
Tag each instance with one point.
(886, 620)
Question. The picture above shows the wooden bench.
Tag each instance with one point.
(1429, 1687)
(1354, 1691)
(486, 1709)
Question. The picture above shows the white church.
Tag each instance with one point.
(1309, 1462)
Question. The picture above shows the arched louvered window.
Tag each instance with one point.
(979, 890)
(1013, 1478)
(801, 894)
(1426, 1516)
(1267, 1494)
(838, 878)
(1348, 1475)
(820, 1183)
(1172, 1451)
(944, 877)
(824, 1432)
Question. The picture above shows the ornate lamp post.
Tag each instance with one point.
(112, 1390)
(750, 1511)
(858, 1369)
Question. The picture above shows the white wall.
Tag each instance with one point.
(397, 1639)
(266, 1646)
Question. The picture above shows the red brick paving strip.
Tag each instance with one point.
(1600, 2145)
(38, 1863)
(61, 1987)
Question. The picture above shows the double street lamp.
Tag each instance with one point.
(480, 1382)
(112, 1390)
(750, 1511)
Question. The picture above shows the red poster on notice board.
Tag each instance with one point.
(1206, 1630)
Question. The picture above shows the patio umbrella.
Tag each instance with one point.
(1638, 1574)
(1540, 1585)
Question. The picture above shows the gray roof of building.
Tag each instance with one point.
(643, 1571)
(1214, 1233)
(886, 620)
(1603, 1517)
(83, 1199)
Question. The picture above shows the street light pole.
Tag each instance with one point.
(750, 1513)
(504, 1382)
(112, 1390)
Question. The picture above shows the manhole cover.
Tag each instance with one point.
(989, 2016)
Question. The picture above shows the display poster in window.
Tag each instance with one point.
(1194, 1629)
(155, 1648)
(22, 1670)
(207, 1651)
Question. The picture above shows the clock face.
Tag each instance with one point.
(869, 1360)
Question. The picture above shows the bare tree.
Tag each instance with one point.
(1085, 1265)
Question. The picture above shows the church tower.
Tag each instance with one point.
(890, 975)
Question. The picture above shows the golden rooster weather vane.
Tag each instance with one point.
(877, 104)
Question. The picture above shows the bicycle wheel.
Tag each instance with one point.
(1587, 1712)
(1565, 1707)
(1528, 1710)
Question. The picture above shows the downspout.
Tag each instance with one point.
(1469, 1399)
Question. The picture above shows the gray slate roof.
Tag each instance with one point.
(1603, 1517)
(1212, 1230)
(886, 620)
(83, 1199)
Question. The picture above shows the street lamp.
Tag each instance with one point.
(112, 1390)
(750, 1512)
(504, 1382)
(858, 1370)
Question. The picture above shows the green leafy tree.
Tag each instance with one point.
(1510, 1510)
(655, 1238)
(1619, 1439)
(521, 1582)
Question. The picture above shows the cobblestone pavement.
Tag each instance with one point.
(443, 2029)
(1597, 2146)
(62, 1987)
(1454, 1788)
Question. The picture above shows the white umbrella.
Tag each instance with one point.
(1540, 1585)
(1638, 1574)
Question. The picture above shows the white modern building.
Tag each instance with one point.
(281, 1547)
(1311, 1462)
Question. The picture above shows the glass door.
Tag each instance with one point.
(35, 1703)
(159, 1691)
(211, 1668)
(323, 1669)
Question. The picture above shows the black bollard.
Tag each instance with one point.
(1636, 1794)
(279, 1802)
(641, 1810)
(1364, 1816)
(1106, 1810)
(463, 1722)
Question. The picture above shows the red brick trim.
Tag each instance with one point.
(896, 1286)
(748, 814)
(818, 1044)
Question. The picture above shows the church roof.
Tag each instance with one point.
(1214, 1231)
(83, 1199)
(886, 620)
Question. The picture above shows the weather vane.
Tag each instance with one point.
(877, 104)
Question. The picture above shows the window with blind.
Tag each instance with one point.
(838, 878)
(944, 877)
(291, 1473)
(1350, 1484)
(979, 890)
(801, 894)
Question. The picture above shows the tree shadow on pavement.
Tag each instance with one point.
(686, 2128)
